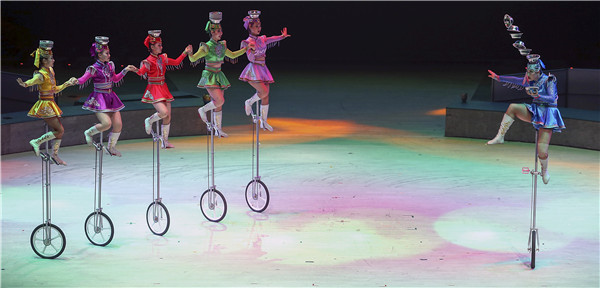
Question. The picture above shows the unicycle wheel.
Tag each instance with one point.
(157, 217)
(99, 229)
(257, 196)
(213, 205)
(48, 241)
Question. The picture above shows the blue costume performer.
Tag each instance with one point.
(542, 112)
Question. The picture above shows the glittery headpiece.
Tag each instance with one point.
(99, 45)
(251, 18)
(214, 21)
(44, 50)
(153, 37)
(535, 63)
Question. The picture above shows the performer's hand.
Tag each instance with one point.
(252, 46)
(284, 32)
(131, 68)
(73, 81)
(188, 49)
(493, 75)
(21, 83)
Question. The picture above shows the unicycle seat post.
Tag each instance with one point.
(257, 194)
(98, 178)
(157, 142)
(212, 203)
(47, 182)
(534, 240)
(157, 215)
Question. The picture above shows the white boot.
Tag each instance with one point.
(202, 110)
(545, 175)
(89, 135)
(504, 125)
(165, 134)
(218, 121)
(148, 122)
(35, 143)
(248, 103)
(55, 147)
(264, 112)
(112, 142)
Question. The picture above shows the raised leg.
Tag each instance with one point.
(35, 143)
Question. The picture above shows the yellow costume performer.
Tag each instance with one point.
(44, 81)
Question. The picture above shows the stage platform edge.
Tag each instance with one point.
(480, 120)
(18, 129)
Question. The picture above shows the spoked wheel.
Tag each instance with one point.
(48, 241)
(533, 242)
(99, 229)
(257, 196)
(157, 217)
(213, 205)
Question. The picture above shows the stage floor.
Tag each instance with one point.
(364, 192)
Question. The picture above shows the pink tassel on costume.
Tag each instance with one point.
(272, 44)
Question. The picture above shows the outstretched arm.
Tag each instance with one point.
(175, 62)
(235, 54)
(279, 37)
(71, 82)
(37, 79)
(144, 68)
(89, 72)
(202, 51)
(507, 79)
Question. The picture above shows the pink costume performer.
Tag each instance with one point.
(103, 100)
(256, 72)
(45, 108)
(157, 93)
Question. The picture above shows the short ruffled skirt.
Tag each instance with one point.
(103, 102)
(256, 73)
(157, 93)
(212, 79)
(44, 109)
(547, 117)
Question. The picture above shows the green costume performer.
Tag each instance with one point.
(213, 80)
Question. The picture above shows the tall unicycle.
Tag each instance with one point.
(157, 215)
(212, 202)
(47, 240)
(257, 194)
(534, 239)
(98, 227)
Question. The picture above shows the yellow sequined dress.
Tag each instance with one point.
(45, 82)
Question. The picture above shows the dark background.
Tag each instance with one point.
(325, 35)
